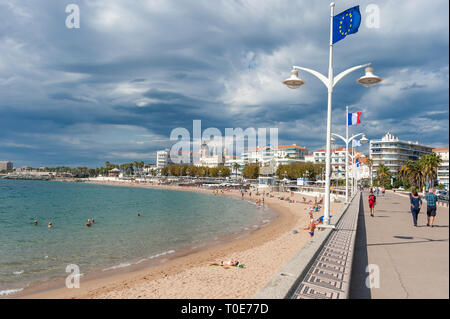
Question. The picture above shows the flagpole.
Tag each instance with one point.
(353, 169)
(346, 155)
(326, 217)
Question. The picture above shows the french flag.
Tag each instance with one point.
(354, 118)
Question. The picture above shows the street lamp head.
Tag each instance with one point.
(332, 140)
(293, 82)
(369, 79)
(364, 139)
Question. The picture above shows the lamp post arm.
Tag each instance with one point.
(342, 138)
(318, 75)
(354, 136)
(339, 77)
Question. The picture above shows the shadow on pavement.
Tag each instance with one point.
(358, 288)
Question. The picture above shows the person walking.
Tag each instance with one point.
(416, 205)
(431, 199)
(372, 202)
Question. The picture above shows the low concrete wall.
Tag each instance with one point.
(282, 284)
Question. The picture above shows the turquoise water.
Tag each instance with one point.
(169, 221)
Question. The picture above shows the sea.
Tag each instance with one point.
(170, 221)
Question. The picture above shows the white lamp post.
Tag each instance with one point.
(347, 141)
(295, 82)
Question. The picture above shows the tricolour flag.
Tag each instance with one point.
(354, 118)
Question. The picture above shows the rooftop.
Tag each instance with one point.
(441, 149)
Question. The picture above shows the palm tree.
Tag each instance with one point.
(141, 165)
(107, 163)
(413, 172)
(429, 164)
(235, 168)
(135, 164)
(383, 173)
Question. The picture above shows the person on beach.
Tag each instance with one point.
(383, 190)
(228, 263)
(416, 205)
(372, 202)
(311, 227)
(431, 199)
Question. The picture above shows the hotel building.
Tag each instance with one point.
(163, 158)
(270, 157)
(6, 166)
(393, 153)
(337, 160)
(442, 171)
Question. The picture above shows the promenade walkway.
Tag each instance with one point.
(413, 262)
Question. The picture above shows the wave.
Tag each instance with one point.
(156, 256)
(162, 254)
(18, 272)
(9, 292)
(117, 266)
(122, 265)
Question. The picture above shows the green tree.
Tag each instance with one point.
(384, 175)
(251, 171)
(429, 164)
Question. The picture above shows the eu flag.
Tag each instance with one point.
(345, 23)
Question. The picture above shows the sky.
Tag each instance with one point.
(114, 88)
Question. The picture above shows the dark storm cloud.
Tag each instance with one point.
(115, 88)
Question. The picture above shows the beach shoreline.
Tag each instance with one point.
(187, 274)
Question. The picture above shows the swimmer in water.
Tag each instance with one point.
(35, 222)
(88, 224)
(50, 225)
(139, 214)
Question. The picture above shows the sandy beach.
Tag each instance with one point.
(263, 251)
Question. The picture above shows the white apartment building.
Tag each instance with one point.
(442, 172)
(393, 153)
(337, 160)
(163, 158)
(270, 157)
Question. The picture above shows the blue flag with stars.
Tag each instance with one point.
(346, 23)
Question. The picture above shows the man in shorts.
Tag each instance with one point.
(431, 199)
